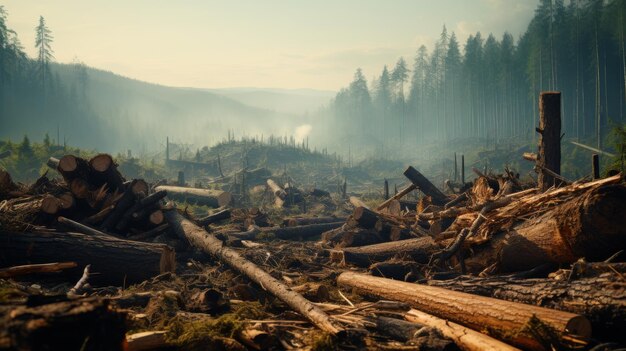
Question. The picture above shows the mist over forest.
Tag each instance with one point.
(483, 90)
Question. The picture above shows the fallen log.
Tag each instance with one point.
(119, 262)
(149, 340)
(302, 231)
(590, 225)
(504, 320)
(466, 339)
(292, 222)
(53, 163)
(83, 324)
(356, 202)
(35, 269)
(426, 186)
(104, 171)
(215, 217)
(600, 298)
(209, 197)
(277, 190)
(123, 204)
(72, 167)
(419, 249)
(365, 217)
(397, 196)
(199, 238)
(426, 338)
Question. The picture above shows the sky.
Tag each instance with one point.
(289, 44)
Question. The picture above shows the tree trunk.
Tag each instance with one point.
(119, 262)
(73, 167)
(397, 196)
(425, 186)
(502, 319)
(591, 225)
(549, 138)
(104, 171)
(466, 339)
(302, 231)
(277, 190)
(199, 238)
(35, 269)
(419, 249)
(292, 222)
(82, 324)
(209, 197)
(601, 299)
(215, 217)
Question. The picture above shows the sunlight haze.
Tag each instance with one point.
(275, 43)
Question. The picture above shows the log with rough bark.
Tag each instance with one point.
(602, 299)
(104, 171)
(423, 184)
(365, 218)
(426, 338)
(73, 167)
(591, 225)
(549, 156)
(277, 190)
(215, 217)
(148, 340)
(35, 269)
(397, 196)
(292, 222)
(209, 197)
(419, 249)
(465, 338)
(117, 261)
(83, 324)
(356, 202)
(199, 238)
(508, 321)
(53, 163)
(302, 231)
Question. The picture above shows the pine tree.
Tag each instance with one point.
(43, 41)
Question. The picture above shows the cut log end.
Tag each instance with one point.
(101, 162)
(68, 163)
(50, 205)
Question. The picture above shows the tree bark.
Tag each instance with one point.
(215, 217)
(302, 231)
(466, 339)
(549, 138)
(426, 186)
(591, 225)
(72, 167)
(209, 197)
(601, 299)
(292, 222)
(419, 249)
(35, 269)
(83, 324)
(119, 262)
(198, 237)
(277, 190)
(104, 171)
(397, 196)
(501, 319)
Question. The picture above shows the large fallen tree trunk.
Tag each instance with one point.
(423, 184)
(117, 261)
(591, 225)
(466, 339)
(419, 249)
(198, 237)
(209, 197)
(83, 324)
(293, 222)
(601, 299)
(302, 231)
(397, 196)
(509, 321)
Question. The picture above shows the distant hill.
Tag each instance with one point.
(101, 110)
(288, 101)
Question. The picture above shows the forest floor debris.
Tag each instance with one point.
(122, 267)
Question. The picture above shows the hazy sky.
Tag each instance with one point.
(255, 43)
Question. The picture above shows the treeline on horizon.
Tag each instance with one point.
(34, 97)
(490, 88)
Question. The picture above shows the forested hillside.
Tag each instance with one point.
(488, 87)
(92, 108)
